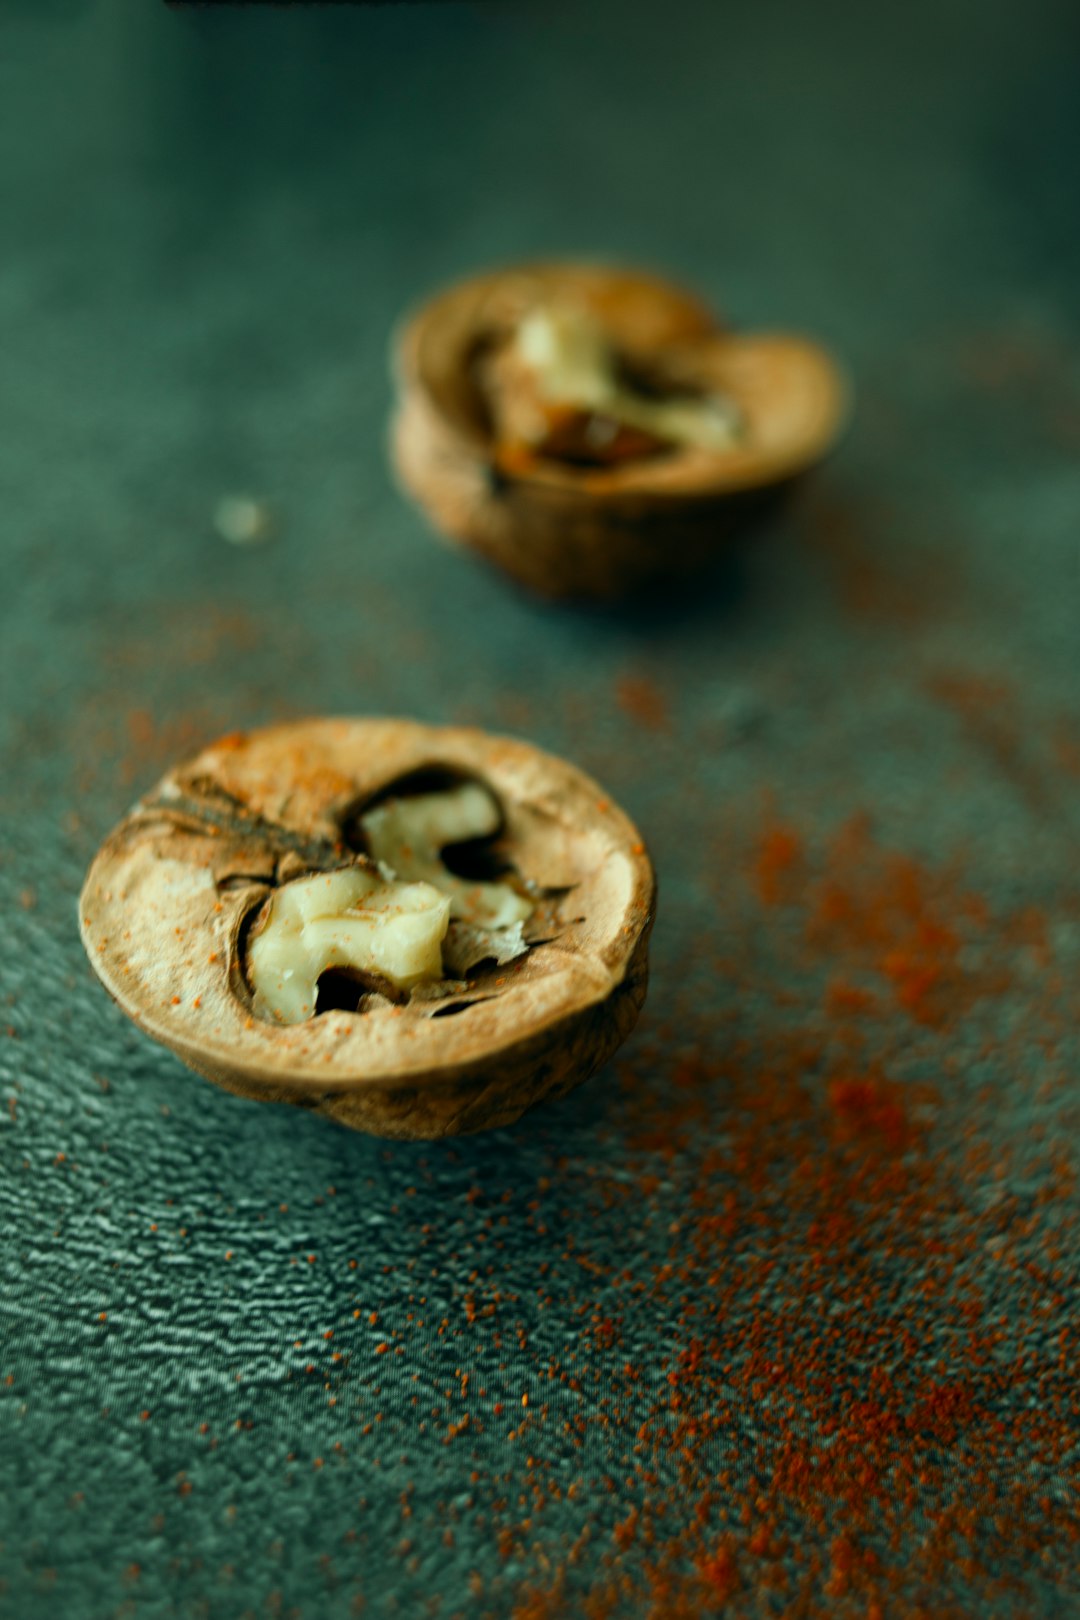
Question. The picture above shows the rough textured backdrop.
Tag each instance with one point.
(780, 1314)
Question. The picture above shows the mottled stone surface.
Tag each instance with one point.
(780, 1311)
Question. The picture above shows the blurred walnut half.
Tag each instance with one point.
(592, 431)
(417, 930)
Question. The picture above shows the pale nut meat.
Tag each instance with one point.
(572, 525)
(183, 886)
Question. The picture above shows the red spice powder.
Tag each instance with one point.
(642, 700)
(997, 723)
(836, 1423)
(872, 580)
(720, 1573)
(778, 865)
(880, 912)
(871, 1106)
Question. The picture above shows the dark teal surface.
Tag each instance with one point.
(210, 224)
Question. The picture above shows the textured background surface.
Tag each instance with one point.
(781, 1313)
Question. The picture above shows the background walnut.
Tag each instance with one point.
(592, 430)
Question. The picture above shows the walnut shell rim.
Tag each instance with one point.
(165, 901)
(603, 533)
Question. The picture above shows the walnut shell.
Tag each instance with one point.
(175, 887)
(603, 532)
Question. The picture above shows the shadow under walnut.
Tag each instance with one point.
(174, 890)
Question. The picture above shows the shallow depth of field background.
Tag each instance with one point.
(778, 1315)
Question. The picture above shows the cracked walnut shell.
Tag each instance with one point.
(180, 887)
(587, 514)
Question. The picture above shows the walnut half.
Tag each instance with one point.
(544, 921)
(592, 431)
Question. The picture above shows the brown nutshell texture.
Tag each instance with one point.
(603, 531)
(172, 892)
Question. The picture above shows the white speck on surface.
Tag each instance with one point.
(242, 520)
